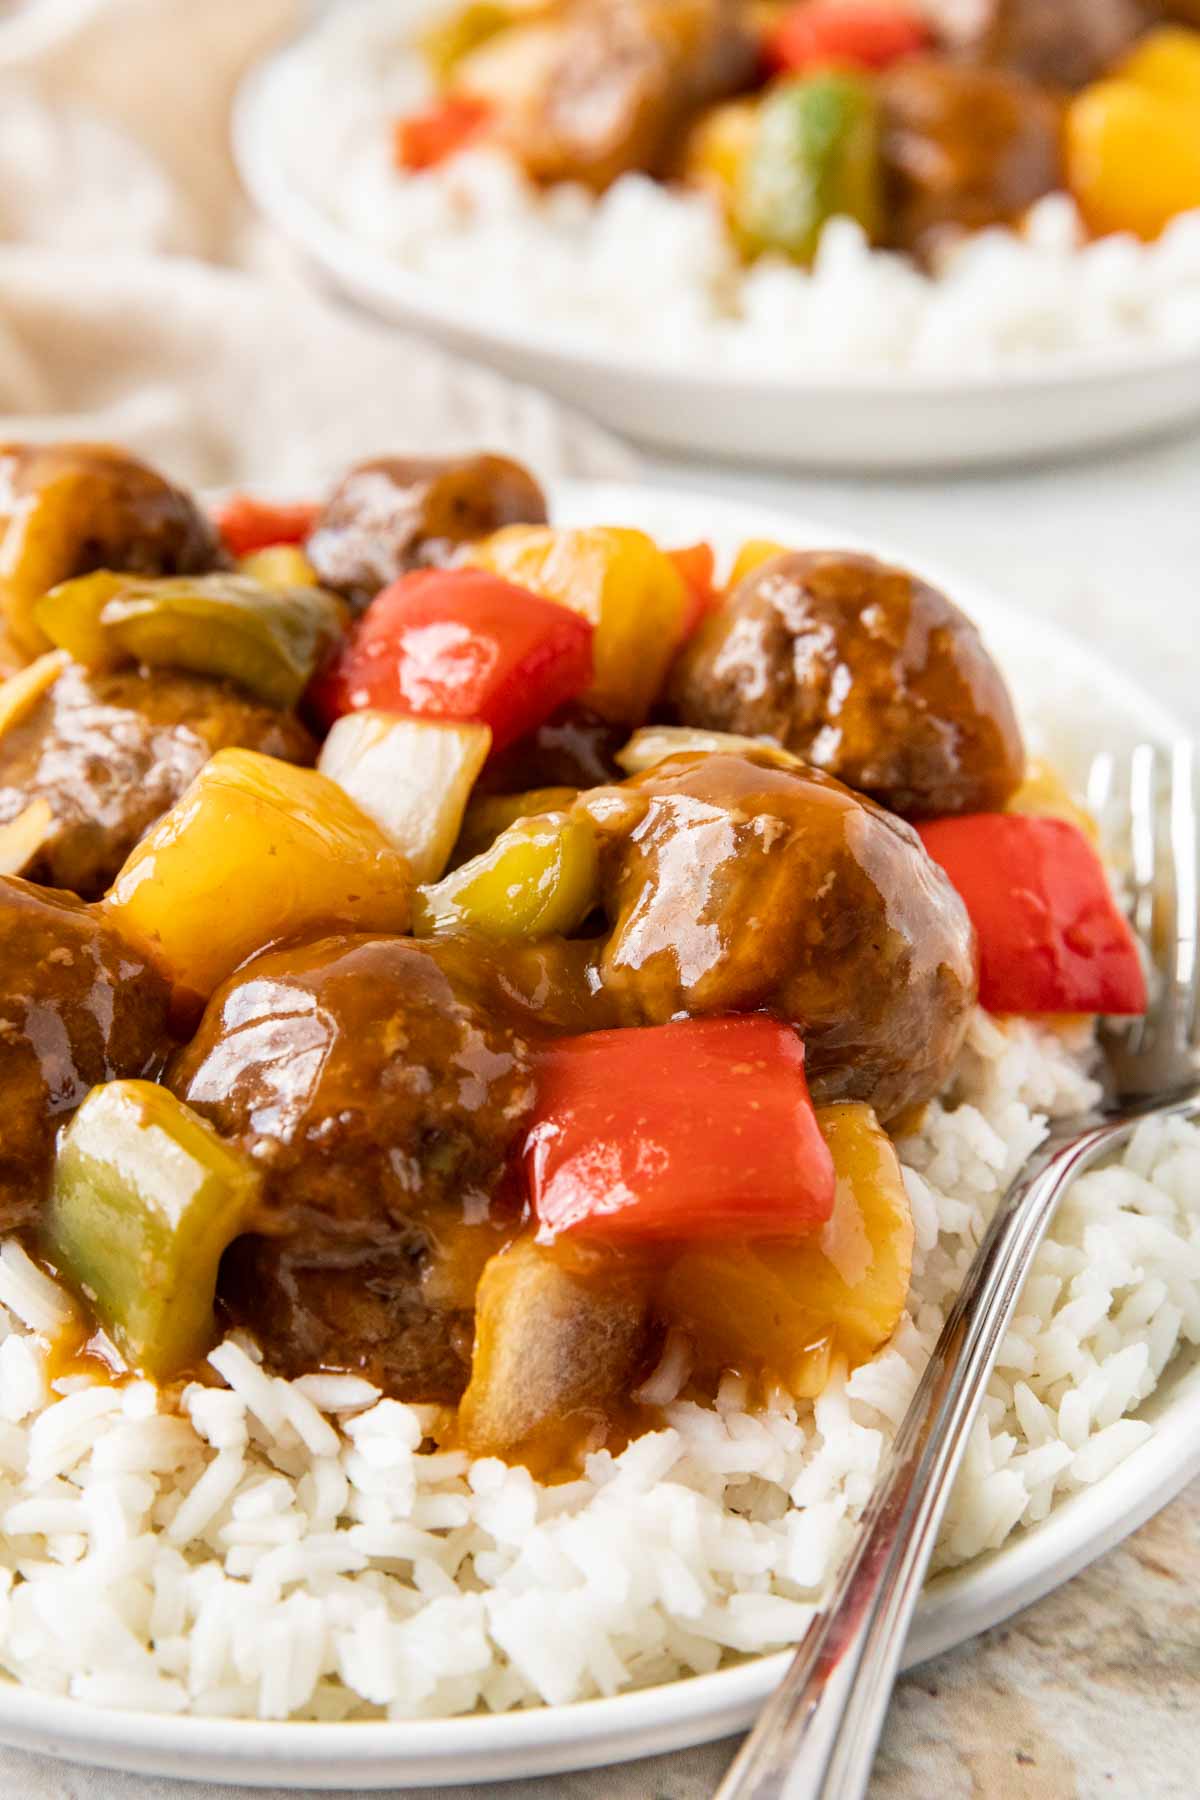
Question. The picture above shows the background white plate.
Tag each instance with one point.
(1074, 703)
(842, 421)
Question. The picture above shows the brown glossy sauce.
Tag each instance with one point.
(84, 1348)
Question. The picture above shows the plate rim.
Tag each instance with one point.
(429, 305)
(700, 1708)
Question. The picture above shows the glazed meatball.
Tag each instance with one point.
(575, 747)
(67, 509)
(77, 1007)
(546, 988)
(605, 86)
(737, 884)
(108, 754)
(1065, 45)
(381, 1107)
(398, 513)
(963, 148)
(864, 671)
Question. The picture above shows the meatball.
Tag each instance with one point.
(547, 988)
(963, 148)
(381, 1107)
(398, 513)
(110, 753)
(735, 884)
(77, 1007)
(575, 747)
(67, 509)
(1065, 45)
(606, 87)
(866, 672)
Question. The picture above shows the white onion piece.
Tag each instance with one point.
(22, 691)
(412, 776)
(654, 743)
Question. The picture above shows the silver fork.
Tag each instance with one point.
(816, 1737)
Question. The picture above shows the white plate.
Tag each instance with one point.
(1090, 705)
(840, 421)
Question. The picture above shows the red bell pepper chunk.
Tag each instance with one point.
(1051, 938)
(246, 524)
(855, 34)
(425, 139)
(698, 1129)
(460, 644)
(697, 563)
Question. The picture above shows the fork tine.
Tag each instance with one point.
(1185, 855)
(1146, 805)
(1144, 878)
(1100, 778)
(1143, 836)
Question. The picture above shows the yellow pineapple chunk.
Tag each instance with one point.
(856, 1272)
(752, 555)
(741, 1310)
(778, 1310)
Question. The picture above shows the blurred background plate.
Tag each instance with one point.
(1080, 401)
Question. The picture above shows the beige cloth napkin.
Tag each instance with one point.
(113, 144)
(113, 120)
(224, 378)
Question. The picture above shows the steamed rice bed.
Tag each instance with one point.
(287, 1549)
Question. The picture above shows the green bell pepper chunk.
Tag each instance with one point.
(144, 1200)
(816, 156)
(268, 640)
(70, 616)
(539, 879)
(490, 814)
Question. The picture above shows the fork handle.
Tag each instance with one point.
(816, 1737)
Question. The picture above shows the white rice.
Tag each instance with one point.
(289, 1549)
(654, 268)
